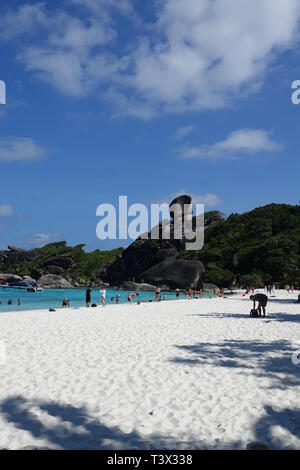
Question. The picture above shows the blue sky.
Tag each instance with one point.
(144, 99)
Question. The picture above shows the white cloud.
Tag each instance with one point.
(205, 53)
(41, 239)
(23, 20)
(194, 55)
(67, 55)
(13, 149)
(98, 6)
(5, 210)
(183, 132)
(243, 141)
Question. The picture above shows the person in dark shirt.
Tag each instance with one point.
(262, 300)
(88, 296)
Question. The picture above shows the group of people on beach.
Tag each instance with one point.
(289, 288)
(259, 299)
(158, 296)
(10, 302)
(88, 297)
(270, 288)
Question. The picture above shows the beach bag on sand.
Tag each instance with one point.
(254, 313)
(94, 305)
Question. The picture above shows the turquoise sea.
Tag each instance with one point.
(52, 298)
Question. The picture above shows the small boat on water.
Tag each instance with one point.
(28, 287)
(34, 289)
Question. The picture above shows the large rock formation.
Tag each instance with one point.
(15, 249)
(155, 261)
(138, 258)
(175, 273)
(55, 282)
(210, 287)
(137, 286)
(72, 263)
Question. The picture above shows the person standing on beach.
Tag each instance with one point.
(117, 298)
(177, 293)
(262, 300)
(103, 294)
(88, 296)
(131, 297)
(157, 294)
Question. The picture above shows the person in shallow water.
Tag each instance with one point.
(262, 300)
(103, 294)
(88, 296)
(157, 294)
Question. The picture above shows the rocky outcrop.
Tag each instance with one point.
(137, 287)
(145, 263)
(15, 249)
(138, 258)
(176, 273)
(154, 261)
(210, 287)
(10, 277)
(52, 281)
(10, 260)
(29, 279)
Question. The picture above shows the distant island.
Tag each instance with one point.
(254, 248)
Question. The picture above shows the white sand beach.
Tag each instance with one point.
(187, 374)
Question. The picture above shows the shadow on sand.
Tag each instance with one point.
(270, 360)
(69, 427)
(274, 316)
(289, 422)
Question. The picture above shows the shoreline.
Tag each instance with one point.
(234, 295)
